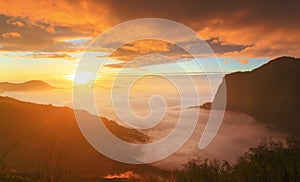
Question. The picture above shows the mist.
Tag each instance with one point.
(237, 133)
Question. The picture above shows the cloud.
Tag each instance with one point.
(147, 46)
(11, 35)
(15, 23)
(37, 37)
(118, 65)
(80, 15)
(161, 52)
(243, 28)
(144, 60)
(232, 140)
(220, 48)
(235, 28)
(136, 49)
(259, 40)
(243, 61)
(50, 56)
(238, 131)
(145, 53)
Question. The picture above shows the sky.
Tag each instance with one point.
(45, 39)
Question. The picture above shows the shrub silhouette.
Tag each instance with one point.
(270, 161)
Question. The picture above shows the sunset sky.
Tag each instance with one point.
(45, 39)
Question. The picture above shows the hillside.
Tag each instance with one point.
(43, 139)
(269, 93)
(33, 85)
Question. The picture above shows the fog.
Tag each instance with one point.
(238, 131)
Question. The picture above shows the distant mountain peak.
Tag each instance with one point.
(35, 82)
(32, 85)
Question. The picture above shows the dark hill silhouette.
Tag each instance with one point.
(44, 136)
(270, 93)
(33, 85)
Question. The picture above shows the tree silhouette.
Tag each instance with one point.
(269, 161)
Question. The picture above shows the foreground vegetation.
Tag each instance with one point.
(269, 161)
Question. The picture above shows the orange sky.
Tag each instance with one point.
(61, 30)
(265, 28)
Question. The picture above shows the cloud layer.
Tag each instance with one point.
(233, 28)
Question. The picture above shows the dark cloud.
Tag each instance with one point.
(220, 48)
(198, 12)
(243, 28)
(143, 47)
(20, 35)
(168, 52)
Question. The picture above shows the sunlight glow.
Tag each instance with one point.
(69, 77)
(81, 78)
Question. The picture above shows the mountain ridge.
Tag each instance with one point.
(269, 93)
(39, 132)
(32, 85)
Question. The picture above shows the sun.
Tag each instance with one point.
(69, 77)
(81, 78)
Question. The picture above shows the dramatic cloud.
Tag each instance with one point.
(233, 28)
(250, 28)
(139, 48)
(18, 34)
(83, 15)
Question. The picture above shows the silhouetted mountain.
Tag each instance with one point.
(45, 140)
(33, 85)
(270, 93)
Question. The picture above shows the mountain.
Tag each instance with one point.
(33, 85)
(270, 93)
(46, 140)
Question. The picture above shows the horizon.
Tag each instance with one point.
(135, 90)
(61, 41)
